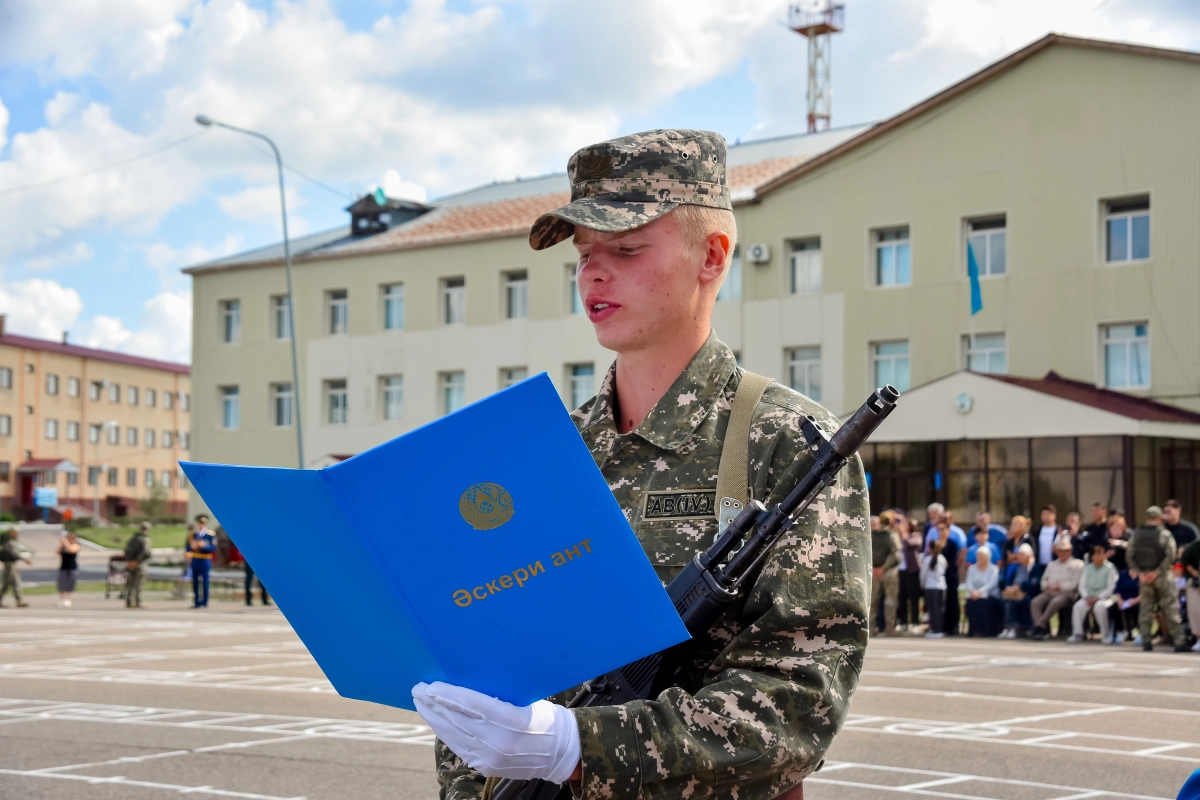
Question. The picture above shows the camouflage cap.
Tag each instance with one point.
(625, 183)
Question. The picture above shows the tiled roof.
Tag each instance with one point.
(47, 346)
(1104, 399)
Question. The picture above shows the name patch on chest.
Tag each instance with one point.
(681, 504)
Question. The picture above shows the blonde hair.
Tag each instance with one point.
(697, 223)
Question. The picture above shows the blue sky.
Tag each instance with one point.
(423, 97)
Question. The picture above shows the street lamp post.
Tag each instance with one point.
(205, 120)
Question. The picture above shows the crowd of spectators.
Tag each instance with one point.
(1104, 579)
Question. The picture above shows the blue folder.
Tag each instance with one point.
(483, 549)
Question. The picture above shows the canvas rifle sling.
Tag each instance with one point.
(733, 473)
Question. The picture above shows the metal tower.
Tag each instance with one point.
(817, 22)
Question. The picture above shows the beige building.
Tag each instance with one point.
(1066, 172)
(94, 424)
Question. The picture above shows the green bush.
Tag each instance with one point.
(7, 517)
(77, 523)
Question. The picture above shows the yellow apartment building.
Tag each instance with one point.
(1067, 171)
(101, 427)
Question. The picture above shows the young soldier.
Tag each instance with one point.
(1151, 556)
(770, 684)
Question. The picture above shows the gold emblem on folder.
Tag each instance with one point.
(485, 506)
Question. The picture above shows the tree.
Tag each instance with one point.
(156, 501)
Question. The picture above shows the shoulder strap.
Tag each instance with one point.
(733, 473)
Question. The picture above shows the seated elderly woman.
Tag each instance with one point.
(1021, 582)
(984, 609)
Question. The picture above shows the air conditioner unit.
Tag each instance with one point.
(758, 253)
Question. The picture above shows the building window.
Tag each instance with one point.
(5, 468)
(150, 437)
(731, 289)
(95, 388)
(185, 401)
(230, 412)
(985, 352)
(72, 387)
(581, 382)
(391, 389)
(454, 301)
(114, 434)
(393, 307)
(5, 425)
(94, 433)
(166, 439)
(131, 476)
(113, 476)
(337, 311)
(151, 398)
(93, 476)
(72, 479)
(5, 377)
(131, 436)
(231, 321)
(149, 479)
(166, 478)
(51, 429)
(185, 441)
(1126, 355)
(893, 259)
(516, 295)
(114, 393)
(889, 364)
(987, 242)
(51, 384)
(805, 265)
(454, 391)
(335, 401)
(131, 395)
(72, 431)
(1127, 230)
(804, 371)
(281, 405)
(511, 375)
(281, 317)
(168, 400)
(574, 301)
(183, 481)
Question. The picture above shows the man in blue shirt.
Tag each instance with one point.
(982, 540)
(201, 547)
(996, 533)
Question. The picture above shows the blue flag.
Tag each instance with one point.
(973, 274)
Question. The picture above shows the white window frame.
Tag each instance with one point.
(231, 411)
(114, 393)
(72, 431)
(512, 375)
(391, 398)
(230, 318)
(131, 476)
(168, 400)
(876, 357)
(6, 378)
(52, 383)
(453, 300)
(280, 318)
(149, 479)
(452, 383)
(515, 294)
(114, 434)
(72, 387)
(51, 429)
(166, 438)
(1105, 342)
(95, 391)
(151, 398)
(969, 347)
(731, 287)
(5, 425)
(989, 231)
(283, 405)
(805, 278)
(337, 312)
(94, 431)
(800, 360)
(879, 244)
(574, 301)
(337, 399)
(581, 383)
(131, 436)
(1107, 215)
(392, 309)
(131, 395)
(185, 401)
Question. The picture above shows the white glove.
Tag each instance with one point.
(498, 739)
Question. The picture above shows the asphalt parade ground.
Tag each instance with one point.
(98, 702)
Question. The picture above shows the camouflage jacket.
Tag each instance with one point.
(770, 684)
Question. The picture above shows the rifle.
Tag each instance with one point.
(714, 579)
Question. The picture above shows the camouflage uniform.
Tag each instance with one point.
(137, 555)
(10, 554)
(772, 680)
(885, 554)
(1159, 594)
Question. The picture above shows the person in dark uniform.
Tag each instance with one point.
(202, 545)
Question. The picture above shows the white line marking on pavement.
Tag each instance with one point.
(121, 780)
(1020, 699)
(171, 754)
(1078, 790)
(939, 782)
(1027, 684)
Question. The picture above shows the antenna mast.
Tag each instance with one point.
(817, 22)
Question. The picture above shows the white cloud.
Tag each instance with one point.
(38, 307)
(166, 260)
(165, 332)
(258, 203)
(77, 253)
(397, 187)
(3, 124)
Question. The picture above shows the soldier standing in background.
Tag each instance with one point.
(885, 572)
(1151, 556)
(10, 554)
(137, 556)
(770, 684)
